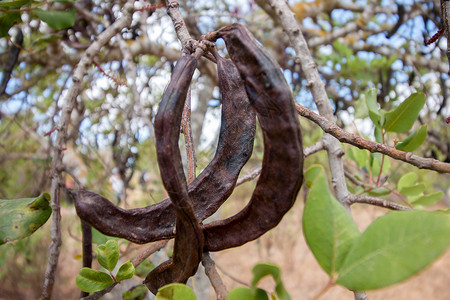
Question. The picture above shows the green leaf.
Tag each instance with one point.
(19, 218)
(108, 254)
(90, 281)
(175, 291)
(361, 110)
(57, 19)
(328, 228)
(379, 191)
(14, 3)
(100, 238)
(378, 135)
(264, 269)
(243, 293)
(126, 271)
(393, 248)
(144, 268)
(7, 21)
(413, 190)
(402, 118)
(374, 111)
(406, 185)
(406, 180)
(360, 156)
(414, 140)
(135, 293)
(429, 199)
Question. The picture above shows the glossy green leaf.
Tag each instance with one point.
(7, 21)
(135, 293)
(108, 254)
(57, 19)
(267, 269)
(402, 118)
(19, 218)
(14, 3)
(328, 228)
(429, 199)
(175, 291)
(90, 281)
(126, 271)
(243, 293)
(393, 248)
(414, 140)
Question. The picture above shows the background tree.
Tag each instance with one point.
(81, 82)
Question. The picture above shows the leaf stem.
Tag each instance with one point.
(382, 161)
(325, 289)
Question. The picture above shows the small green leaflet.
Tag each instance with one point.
(108, 255)
(241, 293)
(90, 281)
(126, 271)
(175, 291)
(268, 269)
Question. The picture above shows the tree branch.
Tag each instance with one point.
(214, 277)
(61, 139)
(352, 139)
(375, 201)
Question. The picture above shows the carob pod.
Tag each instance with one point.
(188, 247)
(282, 168)
(207, 192)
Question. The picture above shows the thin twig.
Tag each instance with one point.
(188, 139)
(252, 175)
(352, 139)
(375, 201)
(231, 276)
(214, 277)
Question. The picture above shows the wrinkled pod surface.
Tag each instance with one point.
(282, 168)
(187, 252)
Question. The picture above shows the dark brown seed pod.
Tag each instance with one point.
(207, 192)
(188, 247)
(282, 168)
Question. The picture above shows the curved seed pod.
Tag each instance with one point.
(207, 192)
(188, 247)
(282, 168)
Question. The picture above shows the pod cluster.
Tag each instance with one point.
(252, 85)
